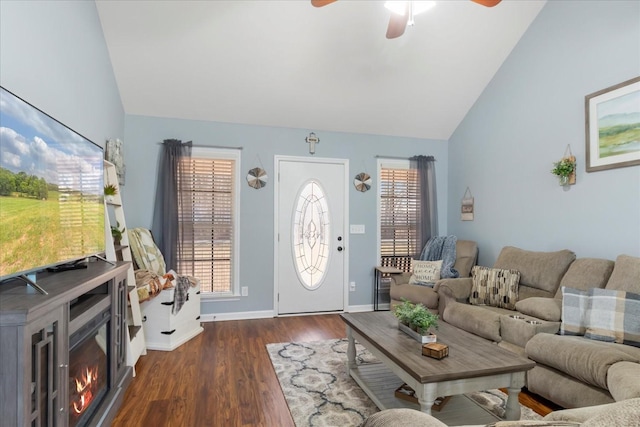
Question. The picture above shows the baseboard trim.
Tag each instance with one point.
(242, 315)
(265, 314)
(359, 308)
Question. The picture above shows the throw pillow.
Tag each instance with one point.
(574, 311)
(614, 316)
(425, 273)
(495, 287)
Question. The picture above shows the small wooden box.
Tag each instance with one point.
(435, 350)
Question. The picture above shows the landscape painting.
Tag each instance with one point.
(613, 126)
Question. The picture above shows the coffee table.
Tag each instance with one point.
(473, 364)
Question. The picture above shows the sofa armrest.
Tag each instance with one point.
(400, 279)
(453, 290)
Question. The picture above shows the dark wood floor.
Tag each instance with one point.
(224, 377)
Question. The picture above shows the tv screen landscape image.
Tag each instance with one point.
(51, 191)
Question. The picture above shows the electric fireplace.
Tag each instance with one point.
(89, 359)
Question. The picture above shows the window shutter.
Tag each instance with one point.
(206, 220)
(399, 216)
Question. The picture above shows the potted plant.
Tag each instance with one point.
(563, 169)
(110, 190)
(416, 321)
(117, 233)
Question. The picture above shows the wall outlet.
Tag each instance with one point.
(352, 286)
(356, 228)
(245, 291)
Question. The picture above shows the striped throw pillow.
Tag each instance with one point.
(495, 287)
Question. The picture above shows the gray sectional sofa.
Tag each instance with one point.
(572, 371)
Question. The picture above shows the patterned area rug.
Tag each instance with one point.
(319, 391)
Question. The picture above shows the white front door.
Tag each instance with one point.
(310, 253)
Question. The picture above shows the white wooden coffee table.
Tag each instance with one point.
(473, 364)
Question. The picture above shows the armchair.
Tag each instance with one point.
(466, 257)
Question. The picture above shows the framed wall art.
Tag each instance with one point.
(612, 126)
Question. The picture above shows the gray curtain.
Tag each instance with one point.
(428, 205)
(165, 226)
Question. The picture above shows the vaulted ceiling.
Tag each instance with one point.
(289, 64)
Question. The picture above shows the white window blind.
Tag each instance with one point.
(208, 222)
(399, 215)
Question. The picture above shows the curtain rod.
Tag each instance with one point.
(379, 156)
(211, 146)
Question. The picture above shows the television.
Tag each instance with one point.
(51, 192)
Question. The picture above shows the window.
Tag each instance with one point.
(399, 213)
(208, 220)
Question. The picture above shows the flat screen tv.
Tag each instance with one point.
(51, 191)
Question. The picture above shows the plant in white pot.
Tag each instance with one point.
(416, 320)
(110, 191)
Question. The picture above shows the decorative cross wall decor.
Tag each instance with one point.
(312, 140)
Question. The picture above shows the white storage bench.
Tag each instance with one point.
(166, 331)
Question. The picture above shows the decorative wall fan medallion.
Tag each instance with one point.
(257, 178)
(362, 182)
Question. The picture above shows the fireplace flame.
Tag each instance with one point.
(84, 389)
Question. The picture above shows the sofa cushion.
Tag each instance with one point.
(586, 273)
(625, 274)
(416, 294)
(402, 416)
(425, 272)
(541, 270)
(614, 316)
(588, 413)
(520, 330)
(584, 359)
(563, 389)
(477, 320)
(549, 309)
(625, 413)
(574, 311)
(466, 257)
(494, 287)
(623, 380)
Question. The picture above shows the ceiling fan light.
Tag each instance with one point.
(400, 7)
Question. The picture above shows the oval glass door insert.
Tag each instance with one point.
(310, 236)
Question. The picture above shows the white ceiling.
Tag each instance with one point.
(289, 64)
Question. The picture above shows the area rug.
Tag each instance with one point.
(319, 392)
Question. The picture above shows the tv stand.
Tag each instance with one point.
(33, 284)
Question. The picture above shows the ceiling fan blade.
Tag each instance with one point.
(398, 23)
(320, 3)
(488, 3)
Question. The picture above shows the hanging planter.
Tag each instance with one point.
(564, 169)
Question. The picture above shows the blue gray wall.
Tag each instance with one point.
(261, 144)
(53, 55)
(534, 106)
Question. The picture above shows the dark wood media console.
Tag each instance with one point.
(44, 340)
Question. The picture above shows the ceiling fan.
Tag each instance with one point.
(404, 12)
